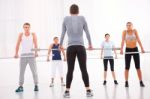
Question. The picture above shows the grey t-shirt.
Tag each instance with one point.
(74, 26)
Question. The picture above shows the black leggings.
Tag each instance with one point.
(111, 61)
(136, 58)
(80, 52)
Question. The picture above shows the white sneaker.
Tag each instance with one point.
(89, 93)
(51, 85)
(66, 94)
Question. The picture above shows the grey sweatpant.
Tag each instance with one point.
(24, 61)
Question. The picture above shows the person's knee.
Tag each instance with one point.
(35, 74)
(105, 68)
(84, 74)
(137, 67)
(69, 73)
(112, 70)
(127, 68)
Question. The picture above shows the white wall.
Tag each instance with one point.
(45, 17)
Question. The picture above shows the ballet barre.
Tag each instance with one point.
(105, 58)
(39, 49)
(91, 58)
(32, 56)
(146, 52)
(25, 56)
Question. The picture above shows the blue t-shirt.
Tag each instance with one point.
(56, 54)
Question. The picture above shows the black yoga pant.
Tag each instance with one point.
(136, 58)
(111, 61)
(80, 52)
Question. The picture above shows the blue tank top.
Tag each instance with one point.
(56, 55)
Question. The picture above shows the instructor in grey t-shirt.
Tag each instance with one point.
(74, 25)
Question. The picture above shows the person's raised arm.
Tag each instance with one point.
(139, 41)
(85, 27)
(122, 42)
(18, 45)
(35, 43)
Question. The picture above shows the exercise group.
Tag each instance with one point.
(74, 26)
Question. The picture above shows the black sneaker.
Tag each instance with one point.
(142, 84)
(115, 82)
(126, 84)
(89, 93)
(66, 94)
(104, 83)
(19, 89)
(36, 88)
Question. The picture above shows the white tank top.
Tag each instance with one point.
(130, 37)
(27, 44)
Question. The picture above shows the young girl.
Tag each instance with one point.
(56, 61)
(107, 48)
